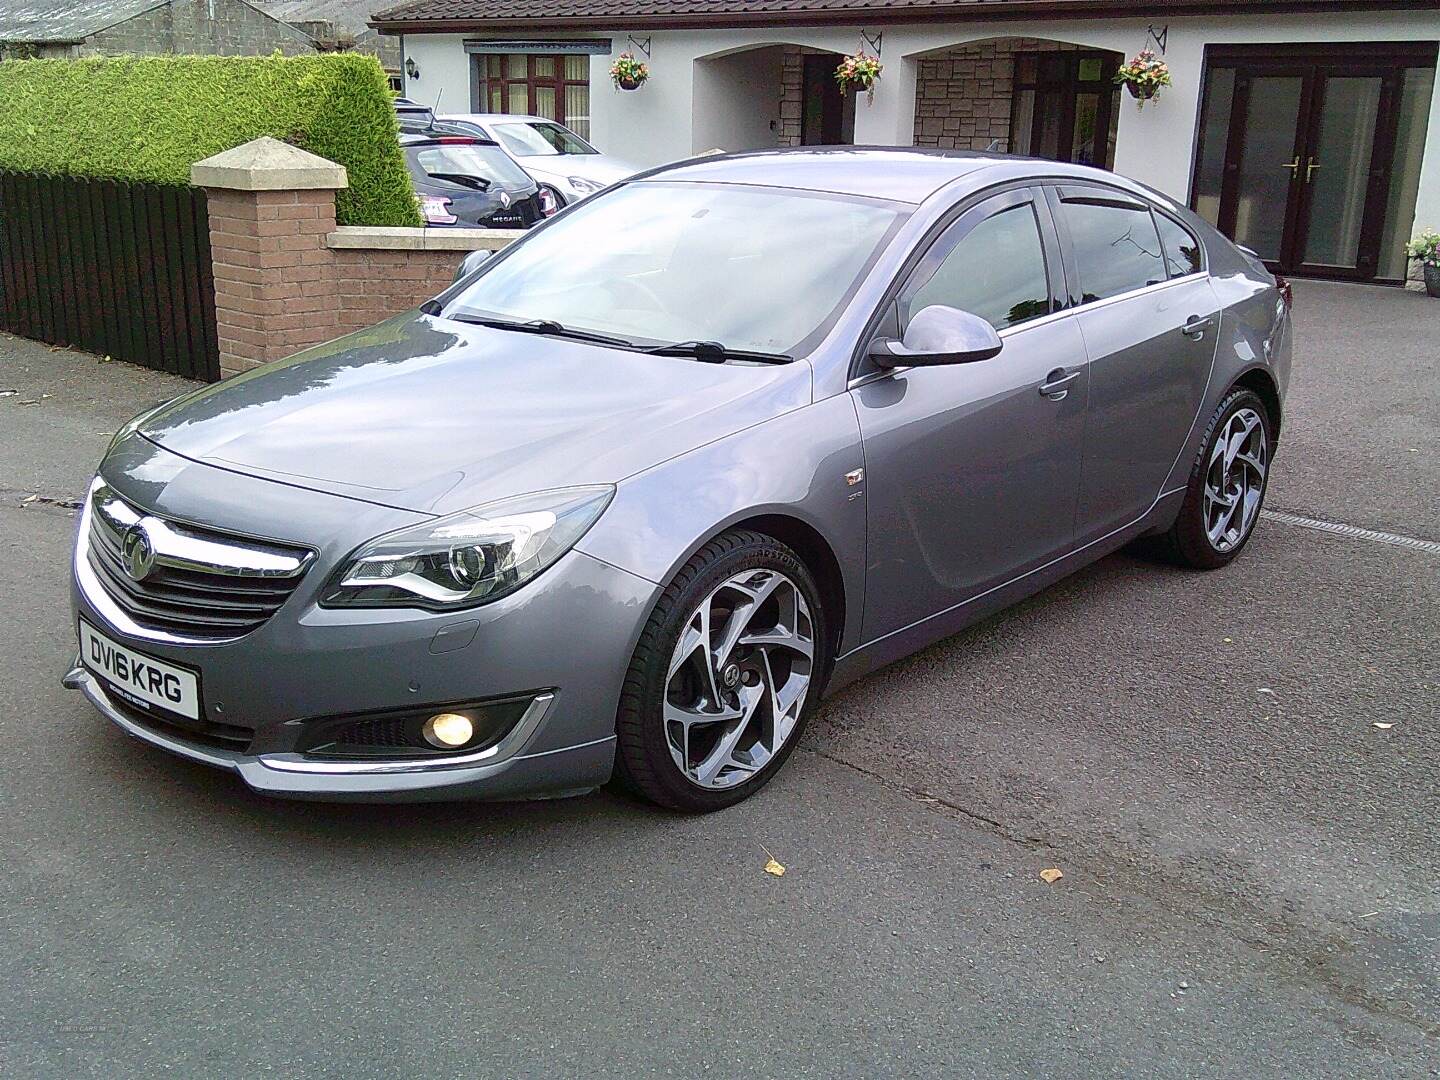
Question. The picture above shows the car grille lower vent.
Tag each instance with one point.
(183, 580)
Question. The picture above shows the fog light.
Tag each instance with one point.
(448, 730)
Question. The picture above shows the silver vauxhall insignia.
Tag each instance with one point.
(631, 496)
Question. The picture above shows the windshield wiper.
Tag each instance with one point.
(479, 183)
(548, 327)
(713, 352)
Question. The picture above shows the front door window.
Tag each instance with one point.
(1064, 107)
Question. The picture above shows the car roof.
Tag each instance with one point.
(899, 174)
(500, 118)
(457, 138)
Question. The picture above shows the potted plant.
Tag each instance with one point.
(1426, 248)
(629, 73)
(1144, 76)
(861, 71)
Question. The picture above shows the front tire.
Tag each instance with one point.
(1227, 485)
(725, 676)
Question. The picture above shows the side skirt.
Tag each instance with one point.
(898, 644)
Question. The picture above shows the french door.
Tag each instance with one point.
(1308, 148)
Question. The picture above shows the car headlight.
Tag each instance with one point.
(468, 558)
(585, 185)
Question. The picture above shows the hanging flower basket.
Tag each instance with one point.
(629, 73)
(860, 72)
(1144, 77)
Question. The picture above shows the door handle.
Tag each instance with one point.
(1057, 384)
(1292, 165)
(1310, 169)
(1195, 326)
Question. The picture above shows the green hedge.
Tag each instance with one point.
(151, 118)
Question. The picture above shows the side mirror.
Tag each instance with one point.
(470, 264)
(939, 335)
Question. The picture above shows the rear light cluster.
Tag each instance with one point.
(1286, 292)
(435, 209)
(550, 202)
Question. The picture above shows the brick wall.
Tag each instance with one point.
(962, 96)
(286, 278)
(210, 27)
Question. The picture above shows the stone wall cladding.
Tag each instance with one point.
(280, 287)
(962, 96)
(207, 27)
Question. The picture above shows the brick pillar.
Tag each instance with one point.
(271, 207)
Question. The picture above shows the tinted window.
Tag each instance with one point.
(997, 271)
(536, 139)
(1182, 250)
(1116, 248)
(455, 161)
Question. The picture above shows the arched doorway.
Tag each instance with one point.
(769, 95)
(1032, 96)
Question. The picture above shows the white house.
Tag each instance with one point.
(1309, 131)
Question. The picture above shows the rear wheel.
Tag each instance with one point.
(725, 676)
(1227, 485)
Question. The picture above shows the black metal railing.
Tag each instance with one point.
(121, 269)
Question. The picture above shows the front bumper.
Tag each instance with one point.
(566, 639)
(506, 771)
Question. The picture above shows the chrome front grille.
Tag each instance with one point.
(182, 581)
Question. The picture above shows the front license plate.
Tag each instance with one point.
(137, 676)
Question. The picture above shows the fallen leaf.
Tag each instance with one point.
(28, 499)
(1383, 727)
(1227, 641)
(1265, 690)
(773, 867)
(1051, 875)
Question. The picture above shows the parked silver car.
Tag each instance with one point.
(553, 155)
(633, 493)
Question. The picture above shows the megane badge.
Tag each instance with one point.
(139, 552)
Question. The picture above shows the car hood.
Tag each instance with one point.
(428, 414)
(597, 167)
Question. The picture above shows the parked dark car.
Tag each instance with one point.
(464, 181)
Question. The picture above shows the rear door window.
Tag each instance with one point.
(995, 270)
(1115, 243)
(1182, 249)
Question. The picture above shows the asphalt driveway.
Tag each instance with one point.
(1251, 879)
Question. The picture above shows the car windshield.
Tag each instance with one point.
(471, 159)
(538, 139)
(758, 269)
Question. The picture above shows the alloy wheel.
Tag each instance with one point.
(1235, 480)
(738, 678)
